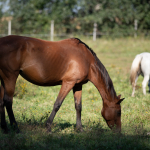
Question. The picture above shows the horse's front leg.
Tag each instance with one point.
(77, 91)
(134, 85)
(65, 88)
(133, 90)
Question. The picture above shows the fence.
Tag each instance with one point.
(51, 36)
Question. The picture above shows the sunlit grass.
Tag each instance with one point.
(33, 104)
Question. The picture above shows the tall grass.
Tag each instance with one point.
(32, 106)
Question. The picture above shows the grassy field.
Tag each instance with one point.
(32, 106)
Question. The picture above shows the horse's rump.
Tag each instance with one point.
(135, 68)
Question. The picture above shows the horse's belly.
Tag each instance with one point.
(54, 71)
(40, 76)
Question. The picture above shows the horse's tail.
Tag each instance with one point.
(135, 68)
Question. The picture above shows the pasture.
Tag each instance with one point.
(32, 106)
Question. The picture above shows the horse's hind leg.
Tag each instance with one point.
(9, 88)
(77, 91)
(144, 83)
(134, 85)
(149, 85)
(65, 88)
(2, 109)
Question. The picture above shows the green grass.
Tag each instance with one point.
(32, 106)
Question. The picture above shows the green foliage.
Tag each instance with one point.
(75, 16)
(28, 16)
(21, 88)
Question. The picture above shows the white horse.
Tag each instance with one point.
(140, 66)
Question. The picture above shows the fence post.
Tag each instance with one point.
(135, 27)
(52, 31)
(94, 31)
(9, 27)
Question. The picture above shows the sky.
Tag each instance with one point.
(6, 7)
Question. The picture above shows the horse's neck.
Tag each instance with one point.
(107, 92)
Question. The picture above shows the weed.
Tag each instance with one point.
(21, 88)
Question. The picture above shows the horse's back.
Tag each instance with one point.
(145, 63)
(145, 54)
(44, 62)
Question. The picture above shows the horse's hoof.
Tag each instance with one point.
(15, 128)
(5, 131)
(79, 129)
(18, 131)
(48, 131)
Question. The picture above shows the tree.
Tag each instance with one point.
(35, 15)
(112, 16)
(142, 13)
(28, 16)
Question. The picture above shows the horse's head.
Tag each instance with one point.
(112, 113)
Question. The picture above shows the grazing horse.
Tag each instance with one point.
(140, 66)
(69, 63)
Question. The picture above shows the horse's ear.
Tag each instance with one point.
(120, 100)
(119, 96)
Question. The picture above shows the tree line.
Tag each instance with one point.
(77, 16)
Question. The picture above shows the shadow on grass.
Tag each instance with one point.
(93, 137)
(62, 126)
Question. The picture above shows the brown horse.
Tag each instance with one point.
(70, 63)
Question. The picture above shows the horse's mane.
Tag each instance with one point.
(79, 41)
(102, 69)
